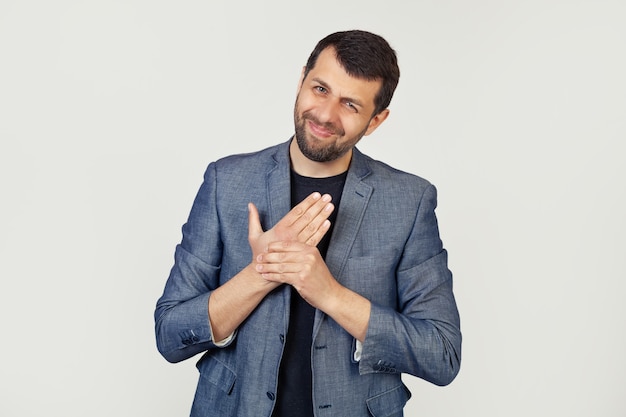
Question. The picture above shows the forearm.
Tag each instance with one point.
(190, 319)
(351, 311)
(230, 304)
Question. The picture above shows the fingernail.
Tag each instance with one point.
(326, 197)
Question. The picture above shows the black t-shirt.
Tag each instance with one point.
(295, 387)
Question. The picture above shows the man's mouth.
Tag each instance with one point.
(319, 131)
(322, 130)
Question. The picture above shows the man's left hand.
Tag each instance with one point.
(302, 267)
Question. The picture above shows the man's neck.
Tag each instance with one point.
(308, 168)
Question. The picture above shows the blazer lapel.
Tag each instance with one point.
(278, 186)
(354, 200)
(278, 195)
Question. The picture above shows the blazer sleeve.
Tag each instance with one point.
(422, 336)
(182, 323)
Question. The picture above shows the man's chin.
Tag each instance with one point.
(313, 153)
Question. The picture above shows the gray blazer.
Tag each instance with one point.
(385, 246)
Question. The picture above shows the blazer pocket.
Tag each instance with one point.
(373, 277)
(389, 403)
(217, 373)
(214, 394)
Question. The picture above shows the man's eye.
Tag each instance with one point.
(320, 89)
(351, 106)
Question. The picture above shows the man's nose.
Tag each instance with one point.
(328, 110)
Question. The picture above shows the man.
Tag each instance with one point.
(321, 313)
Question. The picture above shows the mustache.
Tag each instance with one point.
(307, 115)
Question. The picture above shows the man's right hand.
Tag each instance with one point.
(306, 223)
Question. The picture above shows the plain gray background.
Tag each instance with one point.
(111, 110)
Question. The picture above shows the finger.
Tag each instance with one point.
(301, 208)
(254, 222)
(285, 246)
(276, 268)
(273, 256)
(286, 276)
(279, 278)
(286, 270)
(313, 219)
(312, 236)
(308, 210)
(309, 214)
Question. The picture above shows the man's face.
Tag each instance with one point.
(333, 110)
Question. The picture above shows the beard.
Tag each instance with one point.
(322, 152)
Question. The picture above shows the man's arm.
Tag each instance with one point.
(182, 323)
(230, 304)
(422, 337)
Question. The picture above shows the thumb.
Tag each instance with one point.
(254, 222)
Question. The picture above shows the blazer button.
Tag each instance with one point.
(282, 338)
(270, 395)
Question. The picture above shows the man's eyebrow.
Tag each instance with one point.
(354, 101)
(319, 81)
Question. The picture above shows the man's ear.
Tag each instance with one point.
(377, 121)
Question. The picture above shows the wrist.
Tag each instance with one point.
(255, 280)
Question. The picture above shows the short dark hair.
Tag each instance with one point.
(363, 55)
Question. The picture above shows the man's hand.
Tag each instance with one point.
(301, 266)
(305, 223)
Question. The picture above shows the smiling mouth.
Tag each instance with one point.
(318, 130)
(322, 130)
